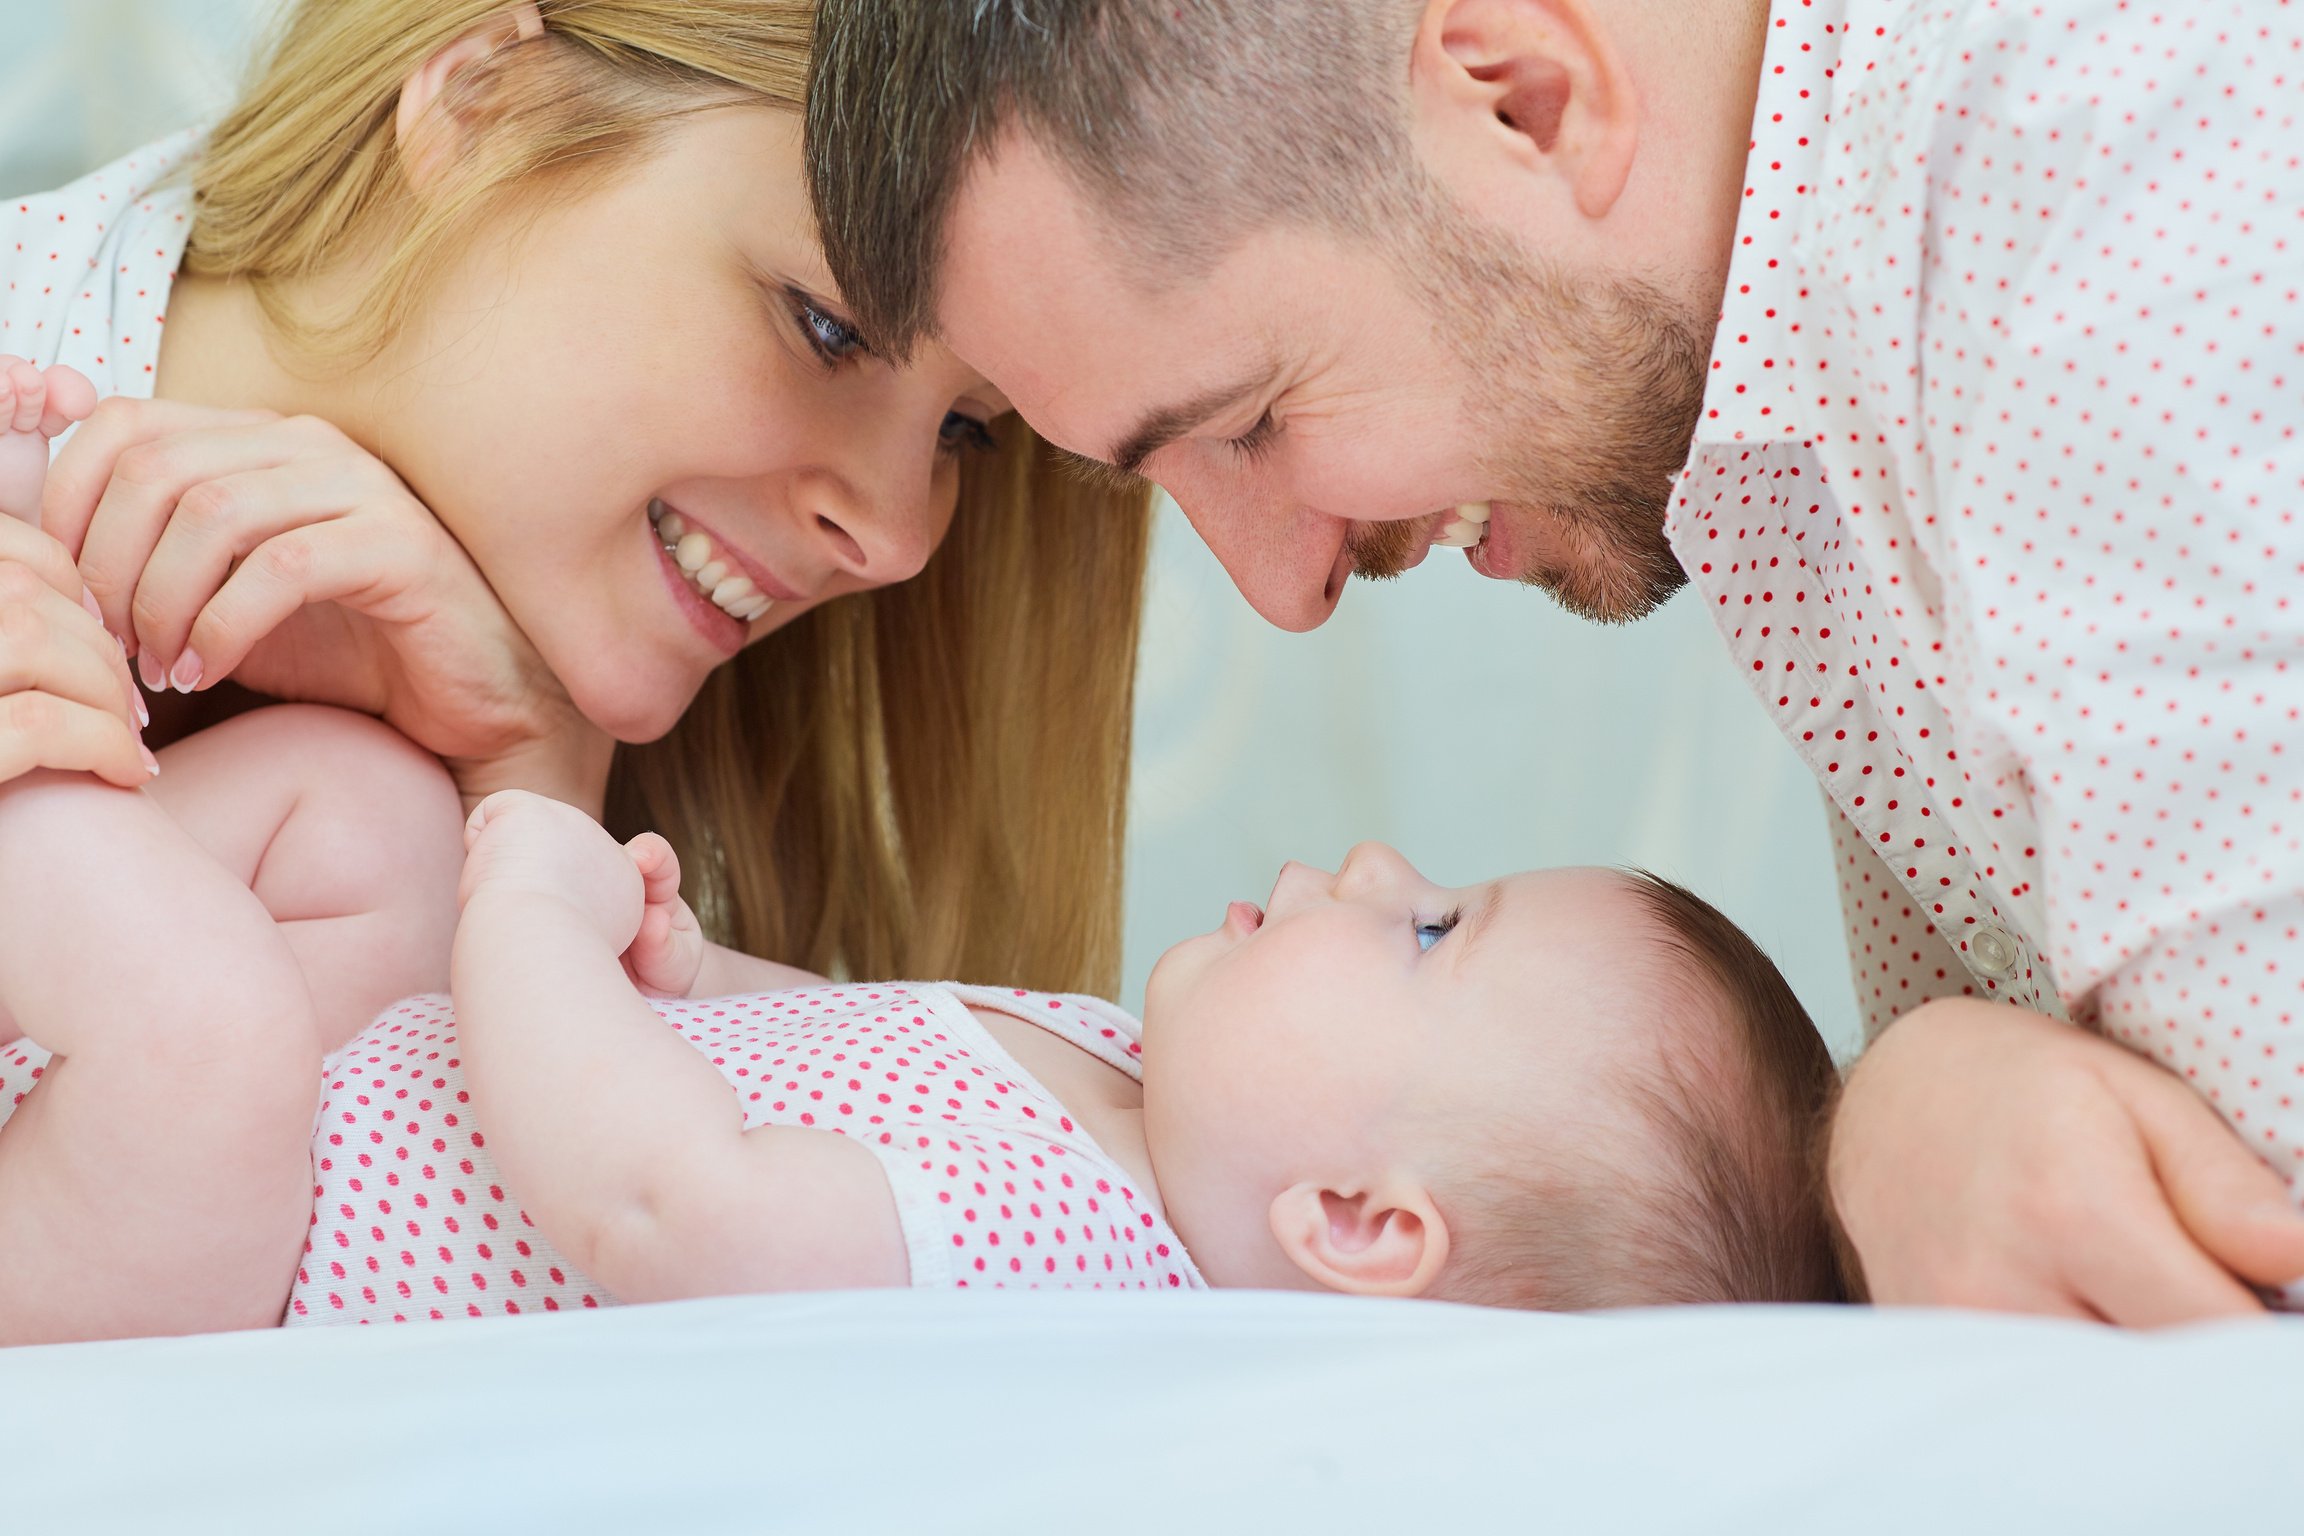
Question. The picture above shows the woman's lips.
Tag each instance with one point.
(1243, 918)
(721, 630)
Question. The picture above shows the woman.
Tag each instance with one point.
(527, 304)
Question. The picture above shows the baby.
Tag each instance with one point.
(1566, 1089)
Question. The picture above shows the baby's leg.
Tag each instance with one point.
(159, 1180)
(351, 837)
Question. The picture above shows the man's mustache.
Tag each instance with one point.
(1381, 551)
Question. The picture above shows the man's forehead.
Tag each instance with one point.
(1036, 292)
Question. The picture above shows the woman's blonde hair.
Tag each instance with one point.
(928, 780)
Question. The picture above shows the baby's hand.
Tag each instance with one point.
(516, 842)
(629, 895)
(668, 953)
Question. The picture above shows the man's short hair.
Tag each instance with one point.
(1188, 122)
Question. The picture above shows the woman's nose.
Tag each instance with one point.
(877, 536)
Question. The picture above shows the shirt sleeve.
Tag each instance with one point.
(1896, 957)
(2118, 446)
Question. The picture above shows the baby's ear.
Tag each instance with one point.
(1388, 1240)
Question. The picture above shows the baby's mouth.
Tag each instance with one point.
(707, 568)
(1467, 527)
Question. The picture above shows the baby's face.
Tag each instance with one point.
(1331, 1030)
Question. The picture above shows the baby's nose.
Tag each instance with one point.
(1298, 884)
(1371, 864)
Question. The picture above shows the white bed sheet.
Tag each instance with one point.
(905, 1411)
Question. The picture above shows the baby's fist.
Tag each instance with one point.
(516, 842)
(668, 953)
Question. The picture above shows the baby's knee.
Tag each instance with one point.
(377, 818)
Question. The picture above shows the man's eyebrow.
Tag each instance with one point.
(1478, 920)
(1162, 426)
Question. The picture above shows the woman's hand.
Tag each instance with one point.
(281, 553)
(1983, 1156)
(66, 700)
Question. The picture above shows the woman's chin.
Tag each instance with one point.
(634, 710)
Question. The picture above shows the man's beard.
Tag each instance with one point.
(1587, 397)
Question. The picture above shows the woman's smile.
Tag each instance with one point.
(739, 585)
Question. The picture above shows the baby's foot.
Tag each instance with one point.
(35, 405)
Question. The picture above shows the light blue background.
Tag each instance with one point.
(1470, 724)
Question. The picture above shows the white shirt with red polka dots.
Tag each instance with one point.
(1995, 498)
(85, 271)
(995, 1184)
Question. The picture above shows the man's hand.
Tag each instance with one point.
(1983, 1156)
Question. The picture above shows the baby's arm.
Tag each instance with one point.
(625, 1144)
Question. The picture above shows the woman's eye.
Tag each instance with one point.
(830, 337)
(962, 433)
(1429, 934)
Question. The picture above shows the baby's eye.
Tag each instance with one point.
(1429, 934)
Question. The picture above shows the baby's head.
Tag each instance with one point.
(1567, 1089)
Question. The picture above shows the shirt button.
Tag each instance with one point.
(1993, 951)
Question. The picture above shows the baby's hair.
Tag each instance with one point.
(1730, 1209)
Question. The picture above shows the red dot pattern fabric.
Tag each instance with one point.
(85, 270)
(1995, 499)
(995, 1184)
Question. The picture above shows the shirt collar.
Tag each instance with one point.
(1749, 395)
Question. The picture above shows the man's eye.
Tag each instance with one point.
(830, 337)
(1256, 442)
(1429, 934)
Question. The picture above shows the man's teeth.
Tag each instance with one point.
(712, 573)
(1467, 528)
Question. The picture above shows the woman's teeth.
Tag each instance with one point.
(712, 573)
(1467, 528)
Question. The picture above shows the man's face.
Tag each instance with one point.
(1320, 405)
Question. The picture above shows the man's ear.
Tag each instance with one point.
(1383, 1242)
(1544, 79)
(423, 128)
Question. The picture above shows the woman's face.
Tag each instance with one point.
(649, 389)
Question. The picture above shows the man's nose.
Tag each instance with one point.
(1286, 561)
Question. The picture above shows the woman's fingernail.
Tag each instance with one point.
(143, 710)
(151, 763)
(148, 669)
(88, 601)
(185, 675)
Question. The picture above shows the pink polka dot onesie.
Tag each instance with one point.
(996, 1185)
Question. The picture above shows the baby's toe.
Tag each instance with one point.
(71, 398)
(30, 398)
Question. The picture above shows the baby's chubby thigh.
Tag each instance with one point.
(350, 836)
(158, 1179)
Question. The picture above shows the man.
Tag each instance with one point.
(1951, 351)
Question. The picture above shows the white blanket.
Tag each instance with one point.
(934, 1412)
